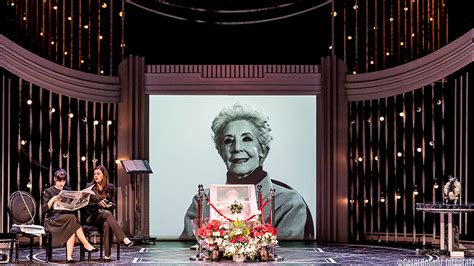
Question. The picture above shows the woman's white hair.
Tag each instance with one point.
(242, 112)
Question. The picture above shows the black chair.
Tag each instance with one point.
(8, 237)
(22, 210)
(90, 231)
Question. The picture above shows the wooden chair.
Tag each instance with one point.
(22, 211)
(90, 231)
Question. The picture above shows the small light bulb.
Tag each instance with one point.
(23, 142)
(29, 102)
(360, 159)
(117, 161)
(382, 199)
(382, 118)
(376, 158)
(69, 18)
(401, 114)
(109, 122)
(83, 158)
(96, 122)
(399, 154)
(418, 149)
(71, 115)
(52, 110)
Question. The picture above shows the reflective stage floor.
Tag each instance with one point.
(167, 252)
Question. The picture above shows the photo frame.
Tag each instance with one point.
(222, 196)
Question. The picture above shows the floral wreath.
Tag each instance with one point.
(452, 189)
(236, 207)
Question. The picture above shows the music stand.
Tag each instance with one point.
(134, 168)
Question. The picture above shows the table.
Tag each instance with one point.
(449, 209)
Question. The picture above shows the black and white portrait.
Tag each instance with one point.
(187, 151)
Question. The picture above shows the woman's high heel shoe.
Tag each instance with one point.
(129, 244)
(92, 250)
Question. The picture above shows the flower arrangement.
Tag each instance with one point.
(265, 234)
(236, 207)
(239, 241)
(213, 233)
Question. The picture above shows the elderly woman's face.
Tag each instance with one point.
(240, 148)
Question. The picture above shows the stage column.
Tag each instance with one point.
(133, 143)
(332, 220)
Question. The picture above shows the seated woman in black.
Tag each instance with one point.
(101, 206)
(63, 225)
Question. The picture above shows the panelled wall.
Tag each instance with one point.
(43, 131)
(401, 150)
(52, 117)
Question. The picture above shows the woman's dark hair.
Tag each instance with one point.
(105, 180)
(60, 174)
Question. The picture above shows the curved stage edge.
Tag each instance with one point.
(171, 252)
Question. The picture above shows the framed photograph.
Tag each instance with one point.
(223, 196)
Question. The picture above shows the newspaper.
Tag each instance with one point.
(73, 200)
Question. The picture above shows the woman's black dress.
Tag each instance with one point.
(61, 224)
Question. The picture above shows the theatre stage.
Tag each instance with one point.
(170, 252)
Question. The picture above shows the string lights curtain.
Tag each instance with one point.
(43, 131)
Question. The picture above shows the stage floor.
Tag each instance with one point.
(168, 252)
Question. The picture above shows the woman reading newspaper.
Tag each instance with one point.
(62, 224)
(101, 206)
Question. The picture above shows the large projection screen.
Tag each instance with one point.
(183, 155)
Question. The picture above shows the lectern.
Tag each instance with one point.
(135, 168)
